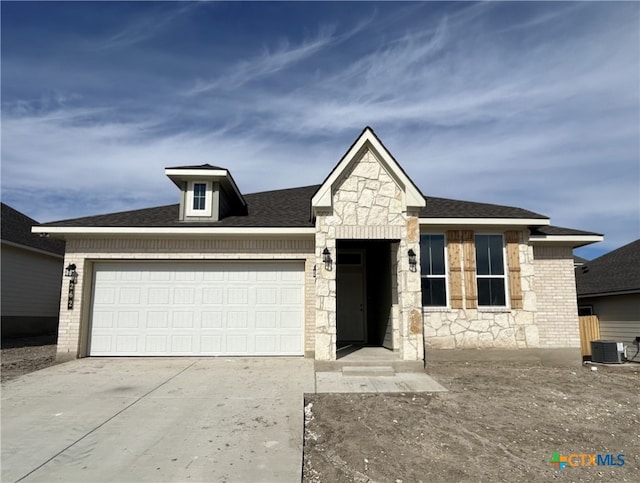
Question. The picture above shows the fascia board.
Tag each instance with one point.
(174, 231)
(485, 221)
(574, 241)
(200, 173)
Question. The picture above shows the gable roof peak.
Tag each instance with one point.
(369, 139)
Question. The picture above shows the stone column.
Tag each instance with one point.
(410, 294)
(325, 349)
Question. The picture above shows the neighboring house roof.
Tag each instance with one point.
(16, 229)
(613, 273)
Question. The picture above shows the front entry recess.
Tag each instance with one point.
(351, 299)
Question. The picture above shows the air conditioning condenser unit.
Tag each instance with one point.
(607, 351)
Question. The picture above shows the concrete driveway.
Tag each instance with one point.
(174, 419)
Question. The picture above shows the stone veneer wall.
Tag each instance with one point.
(73, 327)
(555, 284)
(487, 327)
(368, 204)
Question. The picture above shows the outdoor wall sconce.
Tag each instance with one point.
(413, 263)
(70, 271)
(326, 258)
(314, 271)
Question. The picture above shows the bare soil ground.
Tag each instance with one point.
(498, 422)
(21, 356)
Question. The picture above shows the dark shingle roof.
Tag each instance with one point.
(446, 208)
(16, 228)
(617, 271)
(287, 208)
(280, 208)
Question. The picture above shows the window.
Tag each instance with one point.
(199, 199)
(199, 196)
(490, 273)
(432, 271)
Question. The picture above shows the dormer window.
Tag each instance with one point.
(207, 193)
(199, 198)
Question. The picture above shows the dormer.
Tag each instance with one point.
(207, 193)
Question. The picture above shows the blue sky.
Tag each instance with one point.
(528, 104)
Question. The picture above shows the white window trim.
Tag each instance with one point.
(447, 306)
(505, 276)
(207, 200)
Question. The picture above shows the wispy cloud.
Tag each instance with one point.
(270, 62)
(149, 25)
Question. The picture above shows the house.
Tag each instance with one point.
(609, 287)
(363, 258)
(31, 277)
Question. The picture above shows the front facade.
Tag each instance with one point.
(362, 259)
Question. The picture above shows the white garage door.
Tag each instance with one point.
(210, 308)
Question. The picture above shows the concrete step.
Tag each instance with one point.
(368, 371)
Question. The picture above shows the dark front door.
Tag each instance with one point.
(351, 298)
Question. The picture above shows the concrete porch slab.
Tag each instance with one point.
(336, 382)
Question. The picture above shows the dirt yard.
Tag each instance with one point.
(21, 356)
(498, 422)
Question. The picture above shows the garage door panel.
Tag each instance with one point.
(214, 296)
(291, 296)
(290, 320)
(158, 295)
(182, 320)
(127, 343)
(157, 320)
(211, 320)
(156, 344)
(101, 343)
(222, 308)
(211, 345)
(105, 295)
(182, 344)
(266, 296)
(238, 275)
(237, 295)
(290, 343)
(266, 320)
(103, 319)
(128, 320)
(236, 344)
